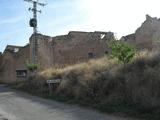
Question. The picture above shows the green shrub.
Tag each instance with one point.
(32, 67)
(122, 51)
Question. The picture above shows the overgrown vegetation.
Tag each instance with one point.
(32, 67)
(104, 85)
(123, 51)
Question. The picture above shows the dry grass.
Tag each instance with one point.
(105, 82)
(96, 64)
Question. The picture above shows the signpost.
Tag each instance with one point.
(51, 83)
(54, 81)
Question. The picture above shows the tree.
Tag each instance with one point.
(32, 67)
(122, 51)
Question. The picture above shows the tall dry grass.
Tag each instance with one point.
(105, 82)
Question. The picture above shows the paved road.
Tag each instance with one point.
(16, 105)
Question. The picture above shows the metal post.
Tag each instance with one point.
(34, 42)
(35, 16)
(35, 45)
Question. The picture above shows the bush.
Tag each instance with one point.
(103, 84)
(122, 51)
(32, 67)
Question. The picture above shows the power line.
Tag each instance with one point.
(33, 23)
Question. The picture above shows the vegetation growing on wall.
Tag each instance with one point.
(32, 67)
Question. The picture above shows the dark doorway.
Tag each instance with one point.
(91, 55)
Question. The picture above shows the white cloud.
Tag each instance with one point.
(120, 16)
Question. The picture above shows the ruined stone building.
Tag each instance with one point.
(12, 59)
(147, 36)
(68, 49)
(75, 47)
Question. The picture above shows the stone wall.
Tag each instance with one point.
(73, 48)
(1, 69)
(147, 36)
(0, 60)
(11, 61)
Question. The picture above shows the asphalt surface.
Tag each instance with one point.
(15, 105)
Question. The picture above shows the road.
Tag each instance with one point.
(15, 105)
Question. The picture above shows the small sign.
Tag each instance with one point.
(53, 81)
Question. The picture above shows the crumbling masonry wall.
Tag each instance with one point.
(147, 36)
(62, 50)
(73, 48)
(1, 66)
(11, 61)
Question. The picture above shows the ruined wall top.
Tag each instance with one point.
(76, 36)
(147, 35)
(12, 48)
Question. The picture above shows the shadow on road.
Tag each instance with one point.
(53, 108)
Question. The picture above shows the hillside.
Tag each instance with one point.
(106, 85)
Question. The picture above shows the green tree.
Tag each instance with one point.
(122, 51)
(32, 67)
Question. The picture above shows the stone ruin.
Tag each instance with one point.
(76, 47)
(147, 36)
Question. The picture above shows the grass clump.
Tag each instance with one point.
(105, 85)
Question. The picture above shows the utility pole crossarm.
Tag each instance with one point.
(42, 4)
(32, 1)
(29, 1)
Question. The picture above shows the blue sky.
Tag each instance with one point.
(56, 18)
(61, 16)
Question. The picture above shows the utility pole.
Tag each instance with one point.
(33, 23)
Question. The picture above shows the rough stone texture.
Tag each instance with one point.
(147, 36)
(1, 66)
(11, 61)
(129, 38)
(73, 48)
